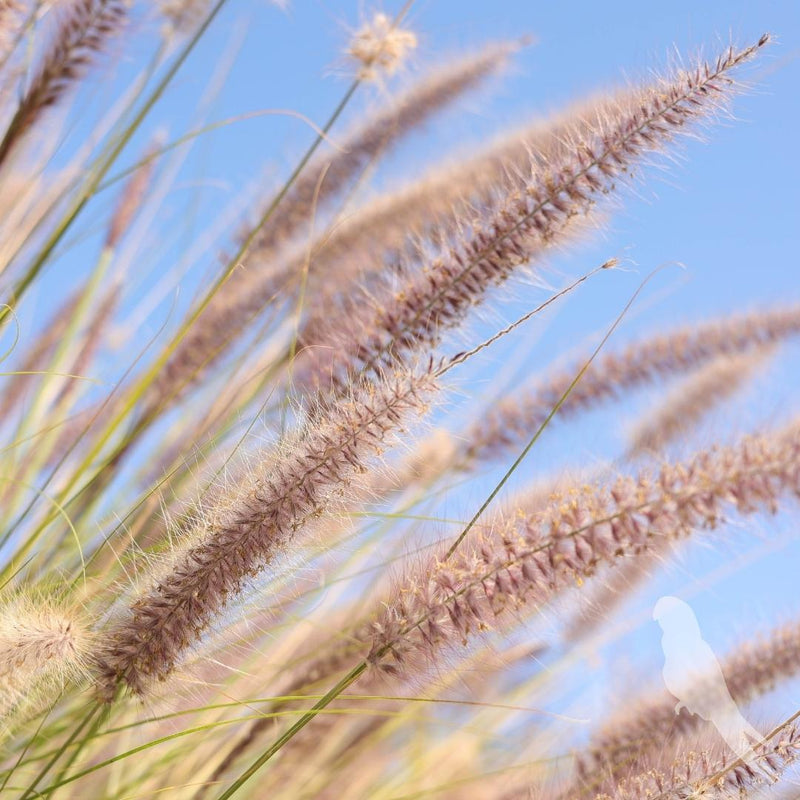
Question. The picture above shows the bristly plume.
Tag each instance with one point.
(705, 775)
(182, 15)
(532, 557)
(752, 669)
(130, 200)
(329, 174)
(685, 406)
(9, 21)
(359, 249)
(359, 253)
(515, 419)
(40, 646)
(694, 398)
(300, 482)
(82, 32)
(524, 222)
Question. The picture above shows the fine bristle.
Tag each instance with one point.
(523, 223)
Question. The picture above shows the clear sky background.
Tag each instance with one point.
(728, 210)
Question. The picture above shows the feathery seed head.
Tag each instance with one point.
(752, 669)
(704, 390)
(181, 15)
(380, 45)
(514, 419)
(522, 223)
(130, 201)
(531, 557)
(292, 488)
(706, 775)
(329, 174)
(41, 645)
(9, 19)
(82, 32)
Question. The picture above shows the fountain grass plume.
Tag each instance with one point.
(302, 480)
(613, 374)
(486, 249)
(531, 557)
(42, 647)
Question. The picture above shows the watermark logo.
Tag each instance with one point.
(694, 677)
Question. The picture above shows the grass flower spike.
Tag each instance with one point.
(41, 649)
(83, 30)
(521, 226)
(268, 511)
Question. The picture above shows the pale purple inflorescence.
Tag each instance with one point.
(303, 480)
(522, 224)
(705, 775)
(513, 420)
(752, 669)
(83, 29)
(529, 559)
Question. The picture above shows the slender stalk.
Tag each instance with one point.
(535, 438)
(291, 732)
(31, 791)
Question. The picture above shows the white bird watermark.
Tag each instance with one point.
(694, 677)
